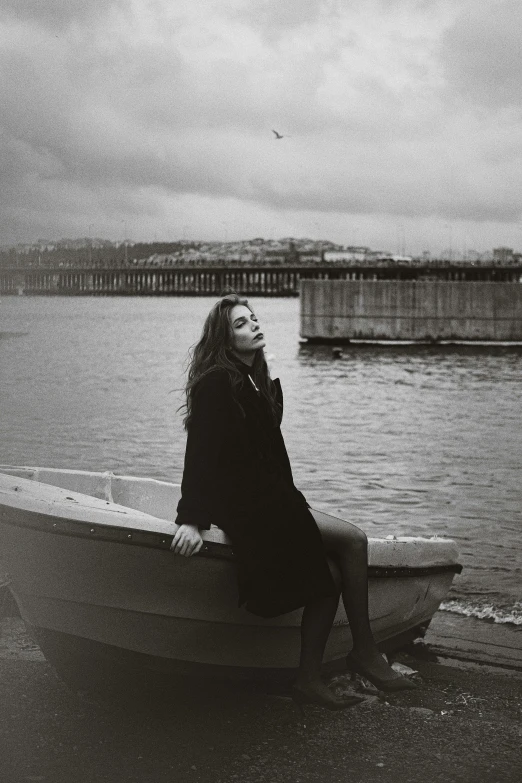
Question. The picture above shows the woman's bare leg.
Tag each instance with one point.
(349, 546)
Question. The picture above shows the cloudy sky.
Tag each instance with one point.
(153, 119)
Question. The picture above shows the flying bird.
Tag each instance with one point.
(278, 135)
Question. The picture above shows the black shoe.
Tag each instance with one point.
(388, 684)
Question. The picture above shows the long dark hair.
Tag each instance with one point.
(212, 352)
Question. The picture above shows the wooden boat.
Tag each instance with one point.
(89, 564)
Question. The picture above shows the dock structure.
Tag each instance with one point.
(212, 280)
(340, 311)
(151, 281)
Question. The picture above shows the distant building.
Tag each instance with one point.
(276, 256)
(503, 255)
(374, 256)
(400, 259)
(308, 257)
(349, 254)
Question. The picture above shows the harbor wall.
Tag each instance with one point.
(419, 310)
(213, 280)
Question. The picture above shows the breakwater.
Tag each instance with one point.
(212, 280)
(422, 310)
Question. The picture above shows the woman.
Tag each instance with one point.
(237, 475)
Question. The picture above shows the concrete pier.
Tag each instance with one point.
(176, 281)
(198, 280)
(418, 310)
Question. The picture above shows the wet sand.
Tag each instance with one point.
(462, 724)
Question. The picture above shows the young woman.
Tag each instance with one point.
(237, 475)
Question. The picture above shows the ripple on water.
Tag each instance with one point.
(412, 439)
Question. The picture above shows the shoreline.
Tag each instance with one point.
(461, 724)
(468, 639)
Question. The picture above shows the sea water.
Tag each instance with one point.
(416, 440)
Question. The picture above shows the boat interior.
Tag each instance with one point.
(160, 498)
(151, 496)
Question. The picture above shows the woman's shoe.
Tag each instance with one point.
(301, 696)
(389, 685)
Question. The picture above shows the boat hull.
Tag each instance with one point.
(86, 569)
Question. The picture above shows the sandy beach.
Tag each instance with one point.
(463, 723)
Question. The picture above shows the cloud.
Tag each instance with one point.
(57, 14)
(273, 19)
(481, 54)
(113, 108)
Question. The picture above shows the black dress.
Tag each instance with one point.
(237, 476)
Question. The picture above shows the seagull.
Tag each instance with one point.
(278, 135)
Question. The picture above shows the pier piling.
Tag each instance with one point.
(212, 280)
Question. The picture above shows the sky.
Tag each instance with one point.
(152, 120)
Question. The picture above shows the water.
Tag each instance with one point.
(400, 440)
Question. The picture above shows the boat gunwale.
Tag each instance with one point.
(46, 523)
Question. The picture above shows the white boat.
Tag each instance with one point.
(88, 561)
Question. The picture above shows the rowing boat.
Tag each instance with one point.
(88, 561)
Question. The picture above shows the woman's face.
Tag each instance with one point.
(247, 337)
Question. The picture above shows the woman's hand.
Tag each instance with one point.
(187, 540)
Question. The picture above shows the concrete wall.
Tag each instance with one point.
(410, 310)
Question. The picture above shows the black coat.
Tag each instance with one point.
(237, 475)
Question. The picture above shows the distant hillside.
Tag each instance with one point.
(103, 253)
